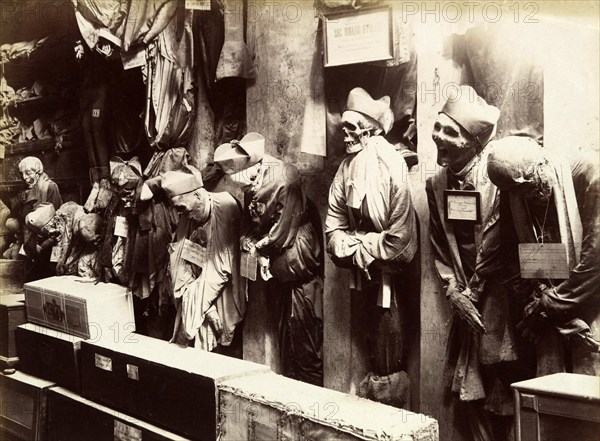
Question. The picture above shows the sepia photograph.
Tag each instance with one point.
(299, 220)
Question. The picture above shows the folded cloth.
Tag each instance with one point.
(393, 389)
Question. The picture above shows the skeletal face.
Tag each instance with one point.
(90, 228)
(455, 146)
(124, 182)
(30, 176)
(244, 179)
(192, 205)
(537, 185)
(357, 130)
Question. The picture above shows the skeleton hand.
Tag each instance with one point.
(463, 306)
(264, 265)
(215, 321)
(79, 50)
(262, 243)
(535, 315)
(248, 244)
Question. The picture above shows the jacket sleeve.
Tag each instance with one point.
(54, 195)
(289, 210)
(400, 241)
(341, 245)
(439, 242)
(581, 288)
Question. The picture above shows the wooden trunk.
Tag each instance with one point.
(73, 418)
(271, 407)
(171, 386)
(24, 404)
(12, 314)
(80, 307)
(49, 354)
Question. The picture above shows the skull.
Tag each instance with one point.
(455, 146)
(357, 129)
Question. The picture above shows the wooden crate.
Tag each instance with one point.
(73, 418)
(80, 307)
(171, 386)
(49, 354)
(271, 407)
(24, 405)
(12, 314)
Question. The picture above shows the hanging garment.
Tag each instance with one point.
(214, 286)
(573, 210)
(152, 232)
(480, 264)
(101, 18)
(286, 227)
(371, 226)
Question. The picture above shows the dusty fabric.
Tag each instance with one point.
(215, 284)
(100, 18)
(146, 19)
(469, 352)
(170, 105)
(371, 226)
(393, 390)
(369, 199)
(5, 233)
(12, 51)
(301, 331)
(576, 296)
(153, 228)
(279, 216)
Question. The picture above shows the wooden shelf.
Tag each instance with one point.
(33, 146)
(19, 185)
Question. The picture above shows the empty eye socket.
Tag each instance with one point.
(350, 127)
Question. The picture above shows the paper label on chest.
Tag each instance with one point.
(462, 205)
(121, 226)
(248, 266)
(543, 261)
(194, 253)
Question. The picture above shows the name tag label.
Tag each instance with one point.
(121, 226)
(462, 205)
(193, 253)
(248, 266)
(55, 256)
(103, 362)
(543, 261)
(124, 432)
(198, 5)
(133, 372)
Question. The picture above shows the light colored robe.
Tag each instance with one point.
(215, 285)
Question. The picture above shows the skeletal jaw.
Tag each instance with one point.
(357, 130)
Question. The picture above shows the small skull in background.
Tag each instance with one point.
(357, 129)
(90, 228)
(31, 168)
(124, 182)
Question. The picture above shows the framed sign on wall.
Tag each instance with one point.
(358, 36)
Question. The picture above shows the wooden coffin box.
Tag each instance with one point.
(12, 314)
(73, 418)
(558, 407)
(12, 275)
(49, 354)
(271, 407)
(24, 404)
(80, 307)
(171, 386)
